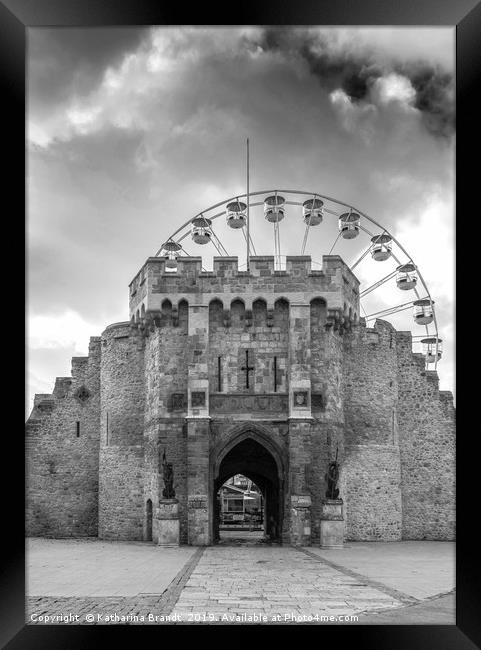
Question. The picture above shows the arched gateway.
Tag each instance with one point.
(251, 452)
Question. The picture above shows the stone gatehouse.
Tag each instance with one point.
(264, 373)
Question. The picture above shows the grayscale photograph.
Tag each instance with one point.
(240, 401)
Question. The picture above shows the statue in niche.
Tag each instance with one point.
(168, 476)
(332, 478)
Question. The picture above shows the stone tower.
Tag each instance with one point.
(266, 373)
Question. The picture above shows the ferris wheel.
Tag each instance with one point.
(319, 223)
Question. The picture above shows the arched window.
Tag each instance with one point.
(238, 311)
(259, 312)
(281, 313)
(183, 315)
(216, 314)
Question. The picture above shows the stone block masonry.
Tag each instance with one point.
(267, 373)
(62, 454)
(427, 443)
(372, 494)
(121, 492)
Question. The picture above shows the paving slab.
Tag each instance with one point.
(434, 611)
(81, 567)
(419, 568)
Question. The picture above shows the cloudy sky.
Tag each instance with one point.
(132, 131)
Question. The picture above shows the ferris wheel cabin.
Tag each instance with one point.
(423, 311)
(201, 230)
(432, 349)
(236, 214)
(274, 208)
(171, 248)
(312, 212)
(381, 248)
(349, 225)
(406, 277)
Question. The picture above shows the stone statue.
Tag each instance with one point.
(168, 475)
(332, 477)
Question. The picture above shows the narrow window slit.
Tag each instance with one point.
(219, 374)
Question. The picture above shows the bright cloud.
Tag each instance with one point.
(65, 330)
(356, 118)
(394, 87)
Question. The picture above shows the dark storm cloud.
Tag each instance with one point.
(434, 97)
(355, 70)
(65, 61)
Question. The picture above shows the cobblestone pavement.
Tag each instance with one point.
(282, 584)
(249, 584)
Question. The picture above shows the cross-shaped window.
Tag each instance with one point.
(247, 369)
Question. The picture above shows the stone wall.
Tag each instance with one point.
(121, 501)
(166, 371)
(370, 384)
(371, 469)
(122, 386)
(62, 453)
(372, 500)
(427, 443)
(121, 489)
(327, 405)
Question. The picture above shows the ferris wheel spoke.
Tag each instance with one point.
(252, 244)
(364, 229)
(335, 242)
(416, 293)
(245, 238)
(328, 211)
(218, 244)
(378, 283)
(398, 262)
(217, 247)
(304, 242)
(214, 244)
(277, 248)
(363, 310)
(390, 310)
(361, 258)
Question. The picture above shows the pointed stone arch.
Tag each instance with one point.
(257, 432)
(250, 449)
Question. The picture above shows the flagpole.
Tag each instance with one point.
(248, 221)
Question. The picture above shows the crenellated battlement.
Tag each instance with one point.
(299, 283)
(260, 266)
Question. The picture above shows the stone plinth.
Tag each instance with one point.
(300, 520)
(332, 524)
(198, 520)
(167, 520)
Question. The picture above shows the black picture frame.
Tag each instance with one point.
(16, 16)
